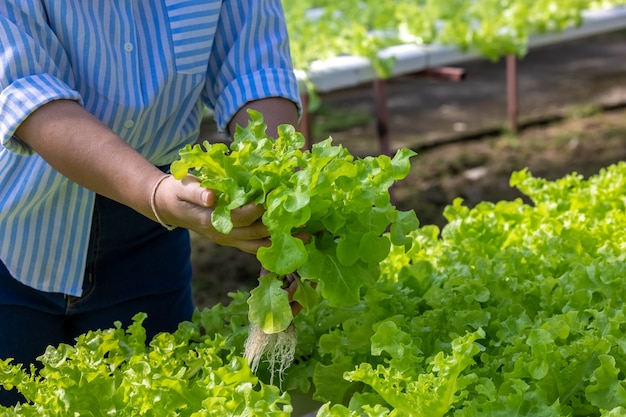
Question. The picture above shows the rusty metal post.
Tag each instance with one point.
(382, 115)
(511, 92)
(452, 74)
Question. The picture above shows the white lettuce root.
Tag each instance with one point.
(278, 349)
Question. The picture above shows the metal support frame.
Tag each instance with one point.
(452, 74)
(382, 115)
(511, 92)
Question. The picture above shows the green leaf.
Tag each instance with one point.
(328, 386)
(284, 256)
(348, 251)
(373, 248)
(401, 163)
(390, 338)
(515, 399)
(606, 391)
(269, 305)
(306, 295)
(194, 157)
(220, 218)
(405, 223)
(340, 284)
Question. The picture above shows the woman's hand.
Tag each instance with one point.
(186, 204)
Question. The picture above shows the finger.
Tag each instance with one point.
(248, 246)
(255, 231)
(194, 193)
(246, 215)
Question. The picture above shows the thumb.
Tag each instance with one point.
(196, 194)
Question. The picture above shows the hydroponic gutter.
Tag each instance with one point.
(350, 71)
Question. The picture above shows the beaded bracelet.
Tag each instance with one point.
(153, 203)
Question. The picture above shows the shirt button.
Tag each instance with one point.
(128, 124)
(128, 47)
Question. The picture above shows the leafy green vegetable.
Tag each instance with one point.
(523, 302)
(341, 201)
(114, 372)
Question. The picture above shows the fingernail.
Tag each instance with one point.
(205, 198)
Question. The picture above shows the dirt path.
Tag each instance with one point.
(479, 170)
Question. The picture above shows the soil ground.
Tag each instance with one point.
(572, 113)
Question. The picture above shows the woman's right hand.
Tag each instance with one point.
(186, 204)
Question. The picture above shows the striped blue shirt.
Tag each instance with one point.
(146, 68)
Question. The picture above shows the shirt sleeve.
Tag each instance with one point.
(250, 59)
(34, 71)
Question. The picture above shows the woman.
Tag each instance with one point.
(96, 100)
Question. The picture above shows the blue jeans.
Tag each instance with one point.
(133, 265)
